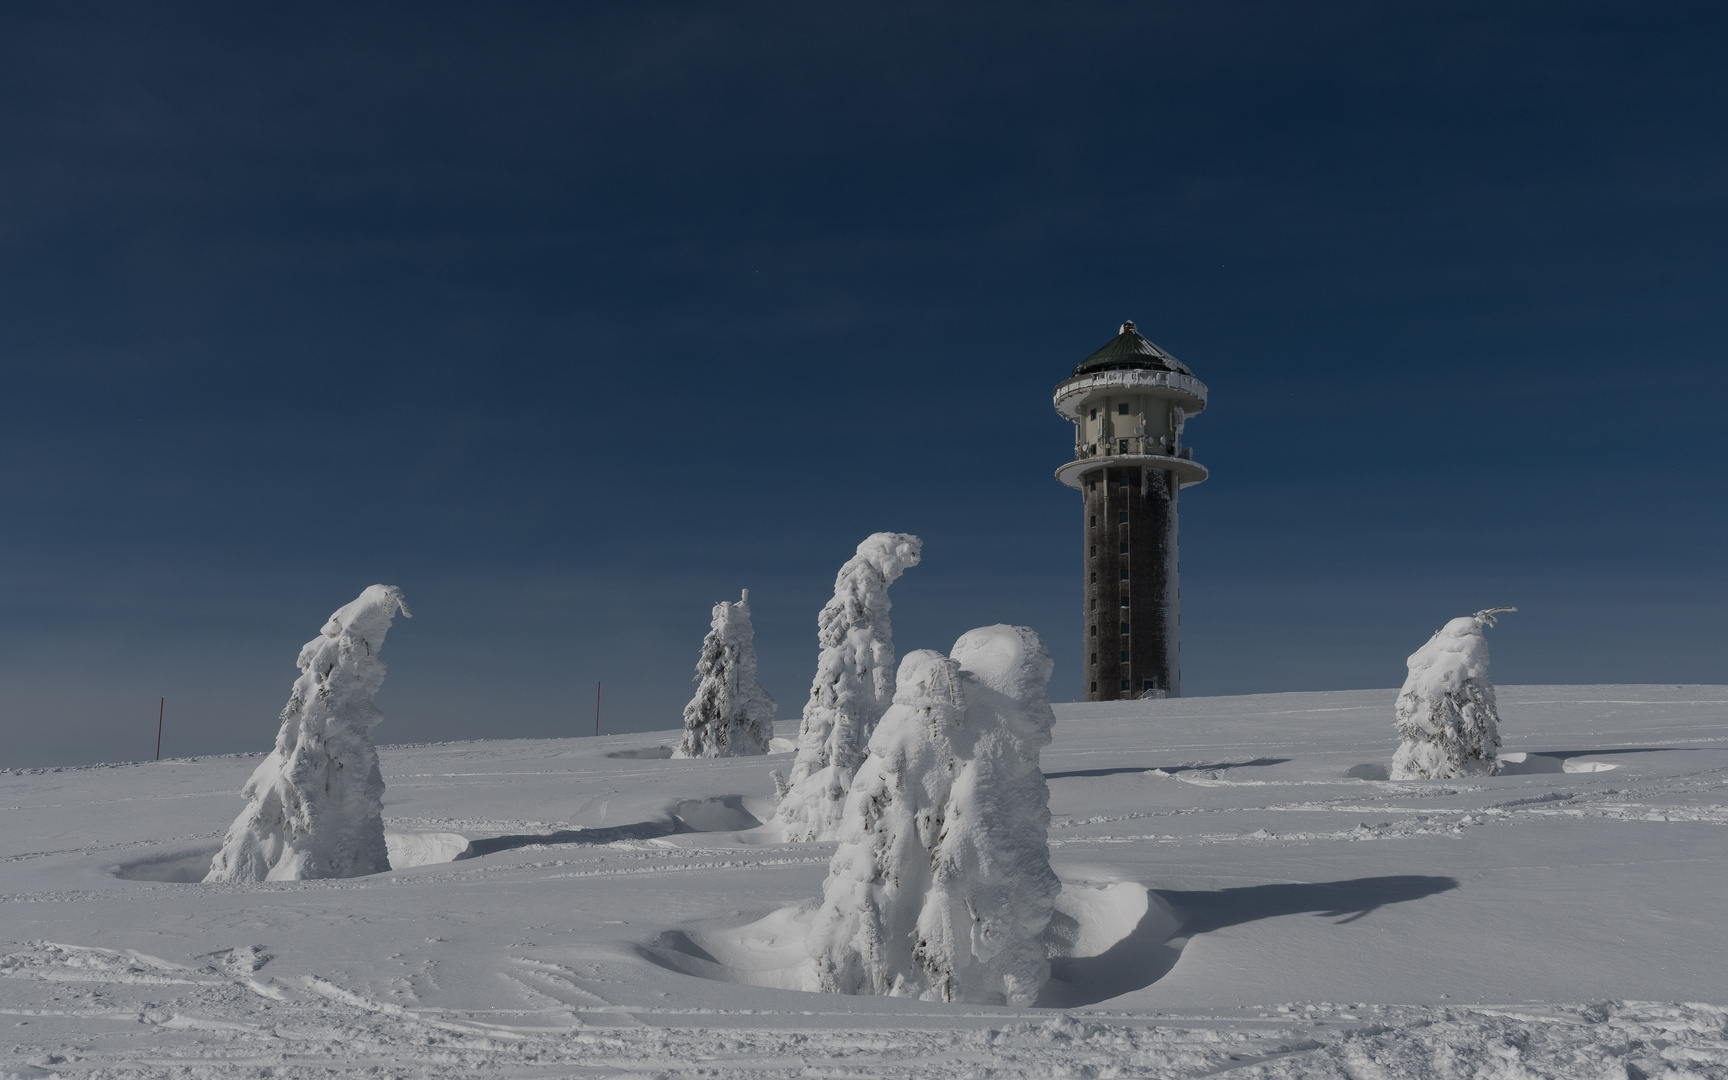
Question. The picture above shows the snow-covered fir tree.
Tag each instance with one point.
(1445, 713)
(854, 685)
(315, 806)
(731, 715)
(941, 887)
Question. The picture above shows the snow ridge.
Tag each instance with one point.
(731, 715)
(315, 805)
(941, 888)
(853, 687)
(1445, 712)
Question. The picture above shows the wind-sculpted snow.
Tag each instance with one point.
(1445, 713)
(315, 805)
(1233, 904)
(941, 887)
(853, 687)
(731, 715)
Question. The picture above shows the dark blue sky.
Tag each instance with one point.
(573, 319)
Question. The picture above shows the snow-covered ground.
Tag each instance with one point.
(1233, 903)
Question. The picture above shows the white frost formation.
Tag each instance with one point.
(1445, 713)
(941, 887)
(315, 806)
(731, 715)
(853, 687)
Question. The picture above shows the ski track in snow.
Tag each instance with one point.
(1595, 923)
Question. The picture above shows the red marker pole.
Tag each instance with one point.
(596, 710)
(161, 706)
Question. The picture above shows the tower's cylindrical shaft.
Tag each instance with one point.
(1131, 606)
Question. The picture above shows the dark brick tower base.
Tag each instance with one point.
(1131, 628)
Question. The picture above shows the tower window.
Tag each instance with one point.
(1094, 577)
(1094, 484)
(1094, 604)
(1121, 446)
(1124, 573)
(1124, 656)
(1094, 551)
(1124, 548)
(1094, 688)
(1126, 687)
(1093, 521)
(1094, 629)
(1122, 408)
(1094, 658)
(1122, 516)
(1124, 630)
(1148, 684)
(1124, 601)
(1094, 414)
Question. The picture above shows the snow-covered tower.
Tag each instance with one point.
(1128, 402)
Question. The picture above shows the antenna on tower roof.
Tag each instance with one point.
(1127, 325)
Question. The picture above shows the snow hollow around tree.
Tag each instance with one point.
(315, 805)
(941, 888)
(1445, 713)
(853, 686)
(731, 715)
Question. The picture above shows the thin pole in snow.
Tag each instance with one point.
(596, 709)
(161, 707)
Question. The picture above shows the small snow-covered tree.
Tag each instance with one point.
(1445, 713)
(315, 805)
(854, 685)
(731, 715)
(941, 887)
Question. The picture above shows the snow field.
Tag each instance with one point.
(1232, 903)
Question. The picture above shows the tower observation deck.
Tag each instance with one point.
(1128, 402)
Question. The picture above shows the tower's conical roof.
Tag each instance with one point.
(1129, 349)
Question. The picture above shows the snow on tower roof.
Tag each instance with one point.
(1129, 349)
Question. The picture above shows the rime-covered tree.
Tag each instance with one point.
(941, 887)
(854, 685)
(731, 715)
(315, 805)
(1445, 713)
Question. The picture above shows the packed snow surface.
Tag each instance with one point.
(731, 715)
(1445, 714)
(853, 687)
(1232, 904)
(314, 807)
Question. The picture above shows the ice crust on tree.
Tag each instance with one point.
(854, 686)
(731, 715)
(1445, 713)
(941, 888)
(315, 806)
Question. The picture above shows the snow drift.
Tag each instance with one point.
(854, 685)
(731, 715)
(941, 888)
(1445, 713)
(315, 806)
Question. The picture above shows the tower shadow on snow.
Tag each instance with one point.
(1165, 768)
(1150, 951)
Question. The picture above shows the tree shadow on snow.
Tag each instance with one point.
(718, 814)
(1165, 768)
(1565, 754)
(1151, 950)
(1346, 901)
(640, 830)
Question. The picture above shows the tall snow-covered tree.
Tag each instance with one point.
(941, 887)
(1445, 713)
(853, 687)
(315, 805)
(731, 715)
